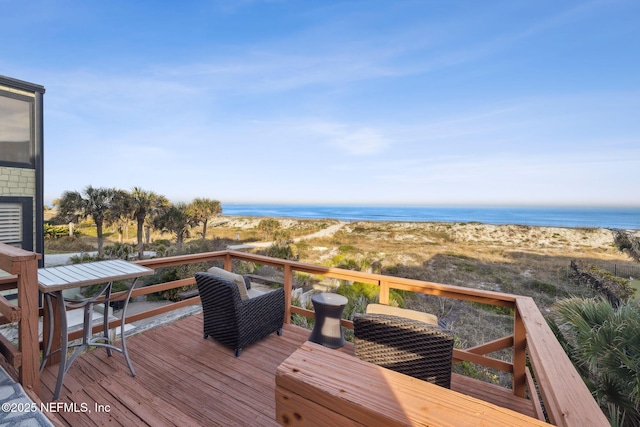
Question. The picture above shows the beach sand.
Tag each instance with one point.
(484, 237)
(529, 260)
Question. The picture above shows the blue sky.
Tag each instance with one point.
(361, 102)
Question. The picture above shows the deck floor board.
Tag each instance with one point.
(183, 379)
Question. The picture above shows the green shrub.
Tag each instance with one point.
(546, 288)
(281, 251)
(361, 294)
(119, 250)
(172, 294)
(201, 246)
(67, 244)
(478, 372)
(616, 289)
(170, 274)
(603, 343)
(456, 255)
(496, 309)
(161, 242)
(300, 320)
(244, 267)
(118, 286)
(391, 270)
(467, 266)
(347, 249)
(302, 247)
(356, 289)
(57, 231)
(346, 263)
(85, 257)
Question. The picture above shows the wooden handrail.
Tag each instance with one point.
(567, 399)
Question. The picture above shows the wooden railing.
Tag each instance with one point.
(566, 399)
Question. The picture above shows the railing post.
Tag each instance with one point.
(288, 289)
(29, 343)
(228, 262)
(519, 354)
(383, 298)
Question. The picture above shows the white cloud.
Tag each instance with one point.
(363, 141)
(351, 139)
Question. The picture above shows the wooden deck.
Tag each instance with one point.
(183, 379)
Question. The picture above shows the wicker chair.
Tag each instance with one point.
(233, 321)
(404, 345)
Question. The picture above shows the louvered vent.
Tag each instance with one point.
(11, 224)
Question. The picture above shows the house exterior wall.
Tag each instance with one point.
(22, 171)
(20, 184)
(17, 182)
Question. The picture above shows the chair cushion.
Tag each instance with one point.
(233, 278)
(402, 312)
(254, 293)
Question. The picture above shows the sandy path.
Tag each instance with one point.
(329, 231)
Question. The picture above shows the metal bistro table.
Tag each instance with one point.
(52, 281)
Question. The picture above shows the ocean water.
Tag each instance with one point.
(624, 218)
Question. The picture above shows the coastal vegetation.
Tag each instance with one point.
(600, 335)
(119, 208)
(603, 343)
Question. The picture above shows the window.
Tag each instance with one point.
(16, 222)
(11, 224)
(16, 130)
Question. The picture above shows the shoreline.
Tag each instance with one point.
(627, 218)
(250, 221)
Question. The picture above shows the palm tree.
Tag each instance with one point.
(159, 208)
(98, 203)
(94, 203)
(143, 204)
(121, 211)
(176, 219)
(201, 210)
(70, 206)
(604, 345)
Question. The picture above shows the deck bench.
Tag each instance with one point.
(320, 386)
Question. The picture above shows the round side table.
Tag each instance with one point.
(327, 330)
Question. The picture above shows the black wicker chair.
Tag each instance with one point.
(235, 322)
(404, 345)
